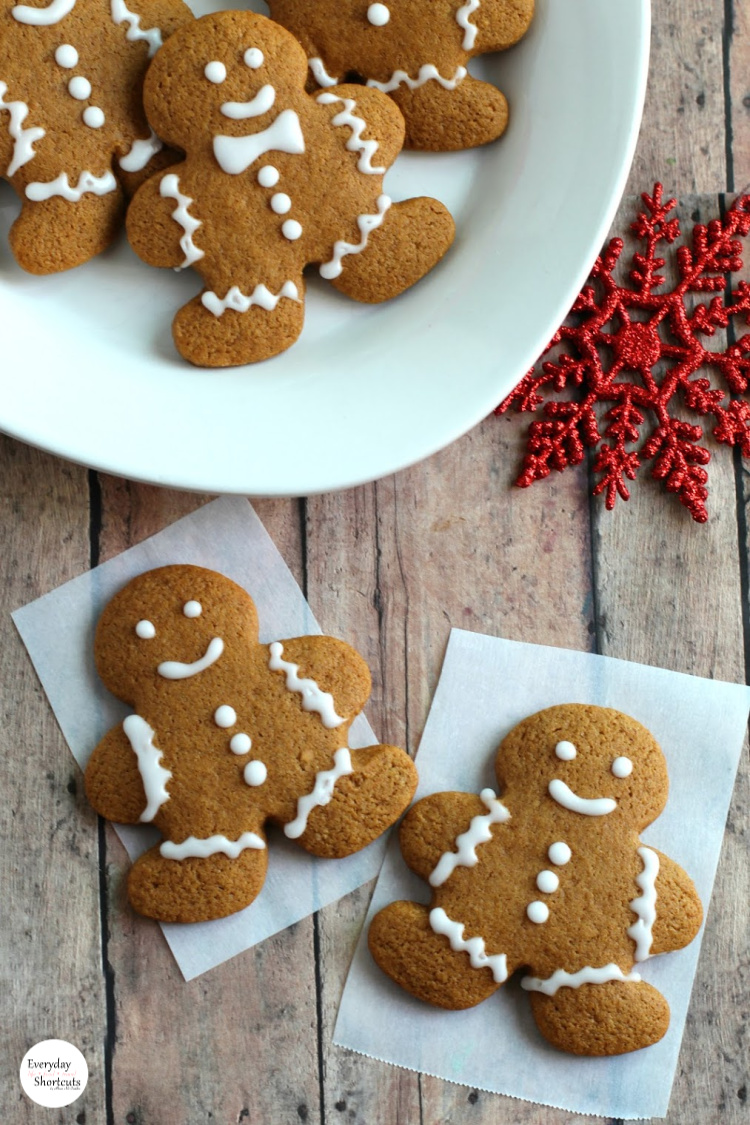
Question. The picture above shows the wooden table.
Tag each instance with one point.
(390, 567)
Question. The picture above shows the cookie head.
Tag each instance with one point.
(589, 760)
(172, 623)
(233, 75)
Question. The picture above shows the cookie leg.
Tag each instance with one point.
(195, 890)
(364, 803)
(412, 239)
(55, 235)
(407, 949)
(602, 1019)
(441, 120)
(233, 338)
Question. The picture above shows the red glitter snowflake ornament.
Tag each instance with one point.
(618, 338)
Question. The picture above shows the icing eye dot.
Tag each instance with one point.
(378, 15)
(145, 630)
(79, 88)
(93, 117)
(192, 609)
(215, 72)
(547, 882)
(537, 912)
(559, 853)
(255, 773)
(622, 767)
(240, 743)
(66, 56)
(565, 751)
(225, 716)
(292, 230)
(253, 58)
(268, 176)
(280, 203)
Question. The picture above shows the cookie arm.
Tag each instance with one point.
(501, 23)
(152, 231)
(334, 666)
(383, 119)
(679, 912)
(113, 781)
(431, 827)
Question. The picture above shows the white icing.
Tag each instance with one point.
(645, 905)
(320, 74)
(140, 153)
(260, 104)
(93, 117)
(170, 189)
(236, 154)
(475, 947)
(238, 302)
(120, 14)
(547, 882)
(367, 224)
(43, 17)
(292, 230)
(470, 29)
(378, 15)
(313, 699)
(594, 806)
(427, 73)
(192, 609)
(561, 979)
(66, 56)
(253, 57)
(87, 183)
(321, 793)
(537, 912)
(346, 116)
(23, 139)
(175, 670)
(268, 176)
(478, 832)
(202, 849)
(225, 716)
(255, 773)
(154, 776)
(280, 203)
(622, 767)
(565, 751)
(215, 72)
(145, 630)
(240, 743)
(79, 88)
(559, 853)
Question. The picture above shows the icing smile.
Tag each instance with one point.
(260, 104)
(174, 670)
(594, 806)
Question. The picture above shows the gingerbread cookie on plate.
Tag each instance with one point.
(73, 134)
(551, 878)
(227, 735)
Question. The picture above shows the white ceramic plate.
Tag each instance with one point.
(89, 371)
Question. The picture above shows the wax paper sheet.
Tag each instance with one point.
(57, 629)
(486, 687)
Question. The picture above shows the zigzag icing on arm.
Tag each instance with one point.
(367, 224)
(321, 793)
(170, 189)
(475, 947)
(23, 139)
(478, 832)
(346, 116)
(135, 32)
(463, 20)
(140, 153)
(320, 74)
(153, 775)
(645, 905)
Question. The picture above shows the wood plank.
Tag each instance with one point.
(739, 90)
(238, 1044)
(682, 141)
(50, 939)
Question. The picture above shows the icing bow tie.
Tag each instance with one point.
(236, 154)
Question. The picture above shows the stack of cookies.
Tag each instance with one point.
(248, 148)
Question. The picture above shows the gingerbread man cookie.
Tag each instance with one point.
(274, 179)
(552, 878)
(226, 735)
(416, 51)
(73, 133)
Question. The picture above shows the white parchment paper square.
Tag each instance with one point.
(488, 685)
(58, 629)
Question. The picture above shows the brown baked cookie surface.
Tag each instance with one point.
(274, 179)
(73, 134)
(552, 879)
(416, 51)
(226, 735)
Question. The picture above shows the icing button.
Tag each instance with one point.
(537, 912)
